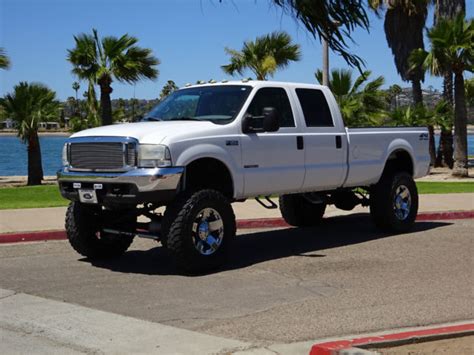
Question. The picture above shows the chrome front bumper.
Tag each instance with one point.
(145, 180)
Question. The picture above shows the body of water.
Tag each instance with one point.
(13, 155)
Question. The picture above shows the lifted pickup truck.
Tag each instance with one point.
(206, 146)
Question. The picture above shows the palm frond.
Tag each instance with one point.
(29, 104)
(4, 60)
(263, 56)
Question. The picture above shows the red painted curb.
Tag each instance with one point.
(437, 216)
(241, 224)
(333, 347)
(32, 236)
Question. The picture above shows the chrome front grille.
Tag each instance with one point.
(102, 156)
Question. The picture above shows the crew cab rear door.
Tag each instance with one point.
(273, 162)
(325, 139)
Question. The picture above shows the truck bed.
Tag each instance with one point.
(368, 150)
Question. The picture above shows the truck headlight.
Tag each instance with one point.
(153, 156)
(65, 155)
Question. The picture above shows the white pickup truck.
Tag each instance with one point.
(206, 146)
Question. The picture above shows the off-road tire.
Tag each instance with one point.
(382, 197)
(171, 213)
(180, 237)
(298, 211)
(83, 229)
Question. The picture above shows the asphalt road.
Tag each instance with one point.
(280, 286)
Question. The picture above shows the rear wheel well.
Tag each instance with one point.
(398, 161)
(209, 173)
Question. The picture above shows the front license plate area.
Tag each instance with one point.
(87, 196)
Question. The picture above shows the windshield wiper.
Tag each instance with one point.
(150, 118)
(184, 119)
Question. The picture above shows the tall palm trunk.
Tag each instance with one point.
(447, 9)
(417, 93)
(418, 100)
(460, 127)
(35, 167)
(444, 156)
(105, 103)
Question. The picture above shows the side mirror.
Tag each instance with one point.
(247, 124)
(271, 119)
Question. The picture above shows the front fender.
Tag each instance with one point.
(213, 151)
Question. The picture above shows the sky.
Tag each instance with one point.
(188, 37)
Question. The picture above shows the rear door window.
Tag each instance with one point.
(315, 108)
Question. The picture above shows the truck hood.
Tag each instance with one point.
(149, 132)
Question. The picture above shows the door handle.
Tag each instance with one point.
(299, 143)
(338, 142)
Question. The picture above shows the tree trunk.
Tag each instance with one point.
(445, 149)
(418, 100)
(460, 128)
(448, 149)
(35, 167)
(105, 103)
(417, 93)
(444, 155)
(431, 145)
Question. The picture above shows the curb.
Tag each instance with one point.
(241, 224)
(350, 346)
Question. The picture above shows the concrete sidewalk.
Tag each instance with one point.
(44, 219)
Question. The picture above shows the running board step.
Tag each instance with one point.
(271, 205)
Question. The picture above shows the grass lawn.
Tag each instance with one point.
(49, 196)
(436, 187)
(31, 197)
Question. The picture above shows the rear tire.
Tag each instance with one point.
(394, 202)
(202, 233)
(84, 230)
(298, 211)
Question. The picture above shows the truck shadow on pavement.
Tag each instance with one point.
(260, 246)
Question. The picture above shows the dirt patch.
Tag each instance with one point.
(444, 175)
(13, 181)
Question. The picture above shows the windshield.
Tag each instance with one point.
(218, 104)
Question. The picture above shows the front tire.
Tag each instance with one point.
(394, 202)
(201, 235)
(84, 230)
(297, 210)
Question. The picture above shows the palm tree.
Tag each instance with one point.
(169, 87)
(76, 86)
(100, 61)
(452, 49)
(360, 106)
(469, 84)
(417, 115)
(263, 56)
(447, 9)
(332, 20)
(404, 23)
(393, 92)
(29, 104)
(4, 60)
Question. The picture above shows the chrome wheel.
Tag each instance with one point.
(402, 202)
(208, 231)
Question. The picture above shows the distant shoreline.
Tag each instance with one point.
(41, 134)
